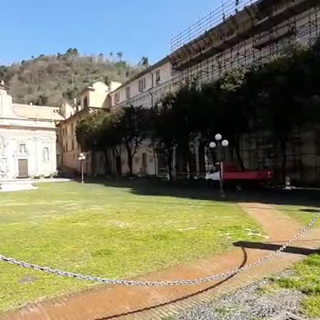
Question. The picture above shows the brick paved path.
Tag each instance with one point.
(117, 302)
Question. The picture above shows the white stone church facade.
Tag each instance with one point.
(27, 139)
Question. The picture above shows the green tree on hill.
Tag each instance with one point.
(57, 78)
(120, 55)
(144, 62)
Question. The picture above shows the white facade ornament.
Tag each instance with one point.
(4, 168)
(3, 146)
(3, 158)
(46, 157)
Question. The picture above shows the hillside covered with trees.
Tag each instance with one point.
(53, 79)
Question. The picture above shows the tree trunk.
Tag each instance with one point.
(202, 160)
(187, 156)
(170, 163)
(284, 160)
(117, 159)
(106, 162)
(118, 166)
(130, 159)
(238, 153)
(155, 158)
(93, 163)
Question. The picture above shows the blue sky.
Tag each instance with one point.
(135, 27)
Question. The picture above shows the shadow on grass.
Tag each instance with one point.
(244, 246)
(310, 210)
(183, 298)
(275, 247)
(198, 190)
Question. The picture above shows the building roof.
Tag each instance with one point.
(92, 87)
(144, 72)
(3, 86)
(37, 112)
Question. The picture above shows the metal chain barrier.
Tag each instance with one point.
(161, 283)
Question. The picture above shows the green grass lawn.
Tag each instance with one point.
(106, 231)
(306, 279)
(302, 214)
(306, 274)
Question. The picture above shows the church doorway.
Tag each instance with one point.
(23, 168)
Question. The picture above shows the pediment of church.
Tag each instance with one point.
(10, 110)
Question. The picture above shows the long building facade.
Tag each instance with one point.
(239, 34)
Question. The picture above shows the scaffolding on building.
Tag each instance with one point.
(217, 43)
(297, 21)
(226, 9)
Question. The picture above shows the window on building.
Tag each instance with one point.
(142, 84)
(128, 92)
(117, 98)
(22, 148)
(173, 71)
(158, 77)
(67, 148)
(72, 144)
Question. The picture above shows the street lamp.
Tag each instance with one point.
(218, 143)
(81, 158)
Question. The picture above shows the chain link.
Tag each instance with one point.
(160, 283)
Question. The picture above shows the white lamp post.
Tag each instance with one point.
(225, 143)
(81, 158)
(212, 145)
(218, 137)
(215, 145)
